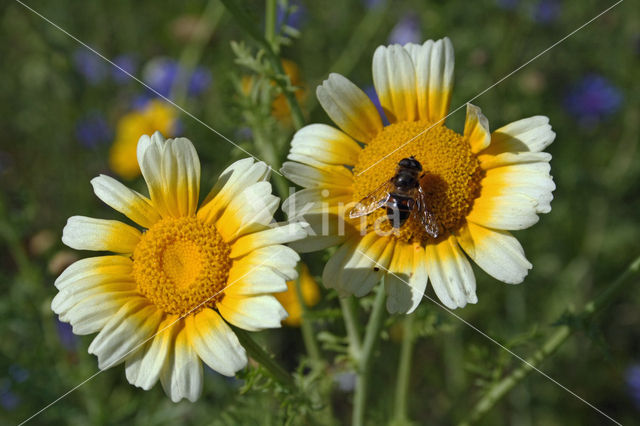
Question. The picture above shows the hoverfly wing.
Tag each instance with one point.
(373, 201)
(427, 218)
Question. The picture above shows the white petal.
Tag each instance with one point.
(476, 129)
(507, 212)
(252, 313)
(125, 332)
(450, 273)
(529, 134)
(349, 107)
(394, 78)
(172, 172)
(407, 280)
(127, 201)
(276, 235)
(280, 258)
(488, 161)
(315, 174)
(235, 178)
(215, 342)
(143, 368)
(325, 144)
(116, 266)
(70, 297)
(498, 253)
(357, 270)
(145, 142)
(93, 313)
(182, 373)
(250, 211)
(531, 180)
(434, 64)
(246, 278)
(86, 233)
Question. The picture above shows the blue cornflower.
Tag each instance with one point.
(8, 399)
(160, 74)
(93, 130)
(546, 11)
(633, 382)
(507, 4)
(199, 81)
(90, 66)
(593, 98)
(127, 63)
(407, 30)
(296, 17)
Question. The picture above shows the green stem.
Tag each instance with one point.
(270, 23)
(401, 415)
(498, 390)
(248, 24)
(306, 327)
(372, 334)
(263, 358)
(268, 153)
(350, 316)
(192, 53)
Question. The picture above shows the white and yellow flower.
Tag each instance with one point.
(479, 184)
(162, 302)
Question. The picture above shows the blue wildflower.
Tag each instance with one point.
(160, 74)
(90, 66)
(93, 130)
(296, 16)
(199, 81)
(8, 399)
(633, 383)
(128, 63)
(18, 374)
(372, 4)
(593, 99)
(507, 4)
(407, 30)
(546, 11)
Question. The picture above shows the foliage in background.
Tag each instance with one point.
(60, 110)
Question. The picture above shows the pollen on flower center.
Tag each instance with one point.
(181, 265)
(451, 179)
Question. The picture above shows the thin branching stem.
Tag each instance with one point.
(401, 407)
(308, 336)
(243, 18)
(265, 359)
(500, 389)
(372, 334)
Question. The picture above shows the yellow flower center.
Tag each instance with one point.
(451, 178)
(182, 265)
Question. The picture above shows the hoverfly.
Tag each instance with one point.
(402, 196)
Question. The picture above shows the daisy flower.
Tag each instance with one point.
(162, 301)
(479, 184)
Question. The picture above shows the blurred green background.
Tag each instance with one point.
(60, 106)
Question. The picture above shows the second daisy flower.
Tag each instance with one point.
(479, 184)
